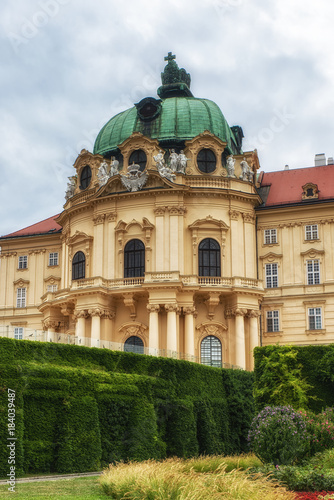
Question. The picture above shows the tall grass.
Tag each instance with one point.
(204, 478)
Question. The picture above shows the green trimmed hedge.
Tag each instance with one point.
(79, 408)
(313, 364)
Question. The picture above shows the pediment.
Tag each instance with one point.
(209, 223)
(79, 236)
(114, 184)
(271, 256)
(312, 253)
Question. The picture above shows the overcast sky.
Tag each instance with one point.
(68, 66)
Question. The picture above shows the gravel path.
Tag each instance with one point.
(34, 479)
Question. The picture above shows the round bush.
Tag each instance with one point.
(278, 435)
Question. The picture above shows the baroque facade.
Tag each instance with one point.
(172, 243)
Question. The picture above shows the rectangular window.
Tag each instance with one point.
(53, 259)
(21, 297)
(18, 333)
(272, 321)
(23, 262)
(271, 275)
(313, 272)
(52, 288)
(270, 236)
(314, 318)
(311, 232)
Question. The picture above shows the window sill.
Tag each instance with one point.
(320, 331)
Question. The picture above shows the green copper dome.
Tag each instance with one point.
(173, 119)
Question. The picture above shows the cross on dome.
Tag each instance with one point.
(170, 57)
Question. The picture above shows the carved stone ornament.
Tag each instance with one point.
(134, 180)
(247, 173)
(172, 308)
(163, 169)
(71, 185)
(153, 308)
(230, 166)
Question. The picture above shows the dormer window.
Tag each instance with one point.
(310, 191)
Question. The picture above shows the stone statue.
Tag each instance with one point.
(114, 166)
(174, 160)
(247, 173)
(134, 180)
(159, 159)
(71, 185)
(230, 166)
(167, 172)
(102, 174)
(182, 162)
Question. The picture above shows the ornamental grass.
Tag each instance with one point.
(196, 479)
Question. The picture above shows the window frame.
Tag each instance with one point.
(85, 177)
(212, 359)
(205, 165)
(271, 277)
(313, 271)
(23, 262)
(137, 347)
(314, 314)
(137, 156)
(270, 236)
(131, 267)
(18, 332)
(21, 297)
(311, 232)
(52, 288)
(79, 266)
(209, 254)
(53, 259)
(272, 319)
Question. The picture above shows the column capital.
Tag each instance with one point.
(81, 313)
(153, 308)
(253, 313)
(190, 310)
(172, 308)
(235, 311)
(95, 312)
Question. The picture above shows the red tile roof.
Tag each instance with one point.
(45, 226)
(286, 185)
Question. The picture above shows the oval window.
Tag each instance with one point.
(206, 161)
(139, 158)
(85, 177)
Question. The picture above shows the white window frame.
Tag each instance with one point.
(21, 297)
(313, 271)
(271, 275)
(18, 332)
(314, 318)
(272, 321)
(23, 262)
(52, 288)
(53, 259)
(270, 236)
(311, 232)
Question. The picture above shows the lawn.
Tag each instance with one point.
(86, 488)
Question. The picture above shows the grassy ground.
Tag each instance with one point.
(86, 488)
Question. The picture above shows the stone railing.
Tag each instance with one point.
(173, 276)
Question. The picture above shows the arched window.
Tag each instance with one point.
(206, 161)
(209, 258)
(85, 177)
(134, 259)
(211, 351)
(134, 344)
(139, 157)
(78, 266)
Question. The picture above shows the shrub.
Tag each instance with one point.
(305, 478)
(320, 428)
(278, 435)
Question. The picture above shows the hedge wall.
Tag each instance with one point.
(315, 364)
(79, 408)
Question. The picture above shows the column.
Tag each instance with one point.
(171, 329)
(240, 347)
(189, 337)
(160, 239)
(98, 244)
(96, 327)
(153, 333)
(80, 328)
(174, 239)
(253, 335)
